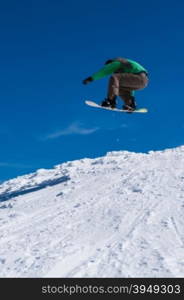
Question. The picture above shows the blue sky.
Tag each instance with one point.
(48, 47)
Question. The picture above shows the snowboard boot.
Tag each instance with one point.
(109, 103)
(130, 105)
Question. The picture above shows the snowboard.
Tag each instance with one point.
(94, 104)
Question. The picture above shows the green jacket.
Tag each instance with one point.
(119, 65)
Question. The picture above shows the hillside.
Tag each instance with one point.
(121, 215)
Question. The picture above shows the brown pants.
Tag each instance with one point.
(123, 84)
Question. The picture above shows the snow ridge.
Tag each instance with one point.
(121, 215)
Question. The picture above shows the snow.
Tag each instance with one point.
(121, 215)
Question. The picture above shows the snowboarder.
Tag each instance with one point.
(127, 77)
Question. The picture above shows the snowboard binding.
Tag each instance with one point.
(109, 103)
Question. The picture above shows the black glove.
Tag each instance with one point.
(109, 61)
(87, 80)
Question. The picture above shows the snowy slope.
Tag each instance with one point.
(121, 215)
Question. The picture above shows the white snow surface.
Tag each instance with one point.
(121, 215)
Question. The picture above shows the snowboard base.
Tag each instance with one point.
(94, 104)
